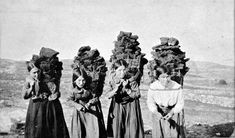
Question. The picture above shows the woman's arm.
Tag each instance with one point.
(93, 98)
(27, 90)
(54, 96)
(178, 107)
(71, 100)
(114, 90)
(151, 103)
(134, 91)
(91, 102)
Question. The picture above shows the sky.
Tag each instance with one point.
(204, 28)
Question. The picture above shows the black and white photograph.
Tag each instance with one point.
(117, 69)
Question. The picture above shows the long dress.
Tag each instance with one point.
(160, 101)
(35, 123)
(55, 120)
(124, 117)
(44, 118)
(88, 123)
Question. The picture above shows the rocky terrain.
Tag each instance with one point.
(208, 91)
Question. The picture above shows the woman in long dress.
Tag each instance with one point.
(87, 118)
(35, 119)
(165, 101)
(55, 121)
(124, 117)
(45, 117)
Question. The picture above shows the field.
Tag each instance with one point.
(209, 103)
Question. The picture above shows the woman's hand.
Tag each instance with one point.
(169, 115)
(79, 107)
(83, 109)
(114, 91)
(112, 94)
(125, 83)
(53, 96)
(28, 89)
(31, 83)
(88, 105)
(164, 109)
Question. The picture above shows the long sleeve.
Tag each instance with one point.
(72, 101)
(93, 101)
(27, 91)
(112, 88)
(180, 102)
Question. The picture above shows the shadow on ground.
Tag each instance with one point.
(195, 131)
(207, 131)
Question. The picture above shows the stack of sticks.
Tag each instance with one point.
(168, 54)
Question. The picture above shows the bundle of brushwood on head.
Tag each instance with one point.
(50, 70)
(168, 54)
(94, 67)
(127, 48)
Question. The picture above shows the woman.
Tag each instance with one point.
(165, 100)
(87, 118)
(124, 118)
(51, 72)
(45, 117)
(35, 124)
(55, 121)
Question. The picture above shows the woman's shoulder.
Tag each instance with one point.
(156, 85)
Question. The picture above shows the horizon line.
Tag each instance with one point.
(107, 60)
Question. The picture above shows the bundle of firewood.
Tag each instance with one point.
(127, 48)
(94, 65)
(49, 65)
(168, 54)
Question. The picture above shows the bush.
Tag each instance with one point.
(222, 82)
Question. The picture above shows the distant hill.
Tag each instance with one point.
(197, 68)
(207, 65)
(211, 70)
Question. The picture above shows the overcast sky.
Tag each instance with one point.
(205, 28)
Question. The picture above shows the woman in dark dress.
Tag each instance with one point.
(35, 119)
(124, 118)
(55, 121)
(45, 117)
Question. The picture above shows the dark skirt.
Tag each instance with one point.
(35, 123)
(55, 120)
(88, 124)
(45, 119)
(125, 120)
(172, 128)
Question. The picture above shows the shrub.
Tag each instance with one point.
(222, 82)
